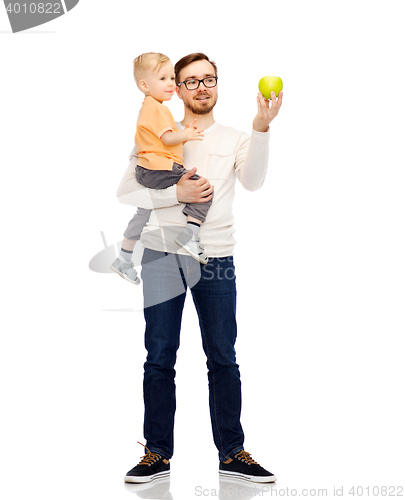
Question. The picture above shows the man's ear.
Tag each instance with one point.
(178, 92)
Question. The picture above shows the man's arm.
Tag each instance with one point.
(252, 157)
(130, 192)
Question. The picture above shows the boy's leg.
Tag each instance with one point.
(161, 179)
(196, 212)
(188, 239)
(136, 225)
(127, 250)
(123, 265)
(128, 245)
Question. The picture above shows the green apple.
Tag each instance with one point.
(270, 84)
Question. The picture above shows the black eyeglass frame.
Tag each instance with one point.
(200, 82)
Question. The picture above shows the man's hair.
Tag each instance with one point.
(147, 61)
(186, 60)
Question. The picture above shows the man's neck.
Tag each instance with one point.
(203, 121)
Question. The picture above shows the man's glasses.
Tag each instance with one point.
(193, 83)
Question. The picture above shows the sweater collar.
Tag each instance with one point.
(209, 129)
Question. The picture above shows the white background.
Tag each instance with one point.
(320, 259)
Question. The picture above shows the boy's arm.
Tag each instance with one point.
(171, 138)
(190, 133)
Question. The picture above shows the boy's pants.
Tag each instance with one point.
(161, 179)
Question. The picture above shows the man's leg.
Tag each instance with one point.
(215, 300)
(164, 295)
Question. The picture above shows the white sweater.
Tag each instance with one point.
(222, 156)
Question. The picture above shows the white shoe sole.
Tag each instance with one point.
(146, 479)
(194, 255)
(246, 477)
(125, 276)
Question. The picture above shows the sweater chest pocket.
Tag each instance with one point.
(220, 166)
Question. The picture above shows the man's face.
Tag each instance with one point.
(202, 100)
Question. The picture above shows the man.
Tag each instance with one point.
(223, 156)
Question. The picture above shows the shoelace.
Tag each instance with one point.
(150, 458)
(244, 456)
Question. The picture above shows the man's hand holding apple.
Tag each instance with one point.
(265, 112)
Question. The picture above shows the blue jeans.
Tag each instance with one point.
(166, 278)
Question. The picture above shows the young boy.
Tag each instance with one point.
(160, 159)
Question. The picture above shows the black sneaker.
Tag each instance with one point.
(151, 466)
(242, 466)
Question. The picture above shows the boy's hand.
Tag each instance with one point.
(192, 124)
(192, 133)
(265, 113)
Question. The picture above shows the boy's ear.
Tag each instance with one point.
(143, 85)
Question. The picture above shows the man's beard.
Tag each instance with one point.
(202, 110)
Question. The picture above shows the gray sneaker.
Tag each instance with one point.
(191, 243)
(125, 270)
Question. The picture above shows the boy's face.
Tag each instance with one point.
(159, 84)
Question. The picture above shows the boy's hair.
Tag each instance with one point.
(147, 61)
(186, 60)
